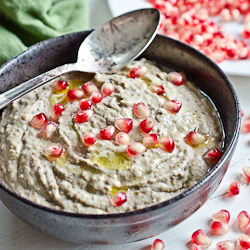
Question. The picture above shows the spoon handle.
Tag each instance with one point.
(25, 87)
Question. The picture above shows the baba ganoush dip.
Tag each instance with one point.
(109, 143)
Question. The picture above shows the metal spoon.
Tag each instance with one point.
(106, 49)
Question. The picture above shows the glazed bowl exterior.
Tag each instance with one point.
(144, 223)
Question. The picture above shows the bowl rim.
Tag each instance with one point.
(168, 202)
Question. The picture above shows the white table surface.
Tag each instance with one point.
(16, 235)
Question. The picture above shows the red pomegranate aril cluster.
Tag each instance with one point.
(234, 188)
(89, 139)
(84, 115)
(157, 245)
(75, 94)
(189, 22)
(118, 199)
(38, 121)
(56, 111)
(59, 86)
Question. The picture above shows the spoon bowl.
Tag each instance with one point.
(106, 49)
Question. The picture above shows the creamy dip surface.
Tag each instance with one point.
(84, 179)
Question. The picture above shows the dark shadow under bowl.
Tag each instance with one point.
(144, 223)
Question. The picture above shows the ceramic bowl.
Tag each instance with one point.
(143, 223)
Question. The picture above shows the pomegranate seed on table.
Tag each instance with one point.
(136, 72)
(59, 86)
(141, 110)
(38, 121)
(243, 53)
(234, 188)
(56, 111)
(96, 97)
(158, 89)
(219, 228)
(176, 78)
(89, 139)
(157, 245)
(225, 245)
(89, 88)
(147, 125)
(244, 241)
(200, 238)
(212, 156)
(75, 94)
(118, 199)
(124, 124)
(107, 89)
(84, 115)
(243, 220)
(194, 138)
(122, 138)
(172, 106)
(221, 216)
(53, 150)
(135, 149)
(246, 172)
(245, 126)
(166, 143)
(107, 133)
(49, 130)
(246, 31)
(85, 104)
(195, 247)
(151, 140)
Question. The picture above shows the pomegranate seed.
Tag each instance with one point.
(246, 172)
(234, 188)
(118, 199)
(245, 126)
(96, 97)
(195, 247)
(221, 216)
(107, 133)
(124, 124)
(243, 220)
(85, 104)
(137, 72)
(49, 130)
(75, 94)
(53, 150)
(212, 156)
(135, 149)
(176, 78)
(158, 89)
(246, 32)
(84, 115)
(225, 245)
(89, 88)
(194, 138)
(141, 110)
(242, 113)
(218, 56)
(167, 144)
(107, 89)
(244, 241)
(200, 238)
(59, 86)
(219, 228)
(225, 15)
(122, 138)
(157, 245)
(147, 125)
(56, 111)
(38, 121)
(172, 106)
(151, 140)
(243, 53)
(89, 139)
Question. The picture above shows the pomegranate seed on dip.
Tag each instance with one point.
(111, 143)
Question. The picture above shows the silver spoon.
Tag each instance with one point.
(106, 49)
